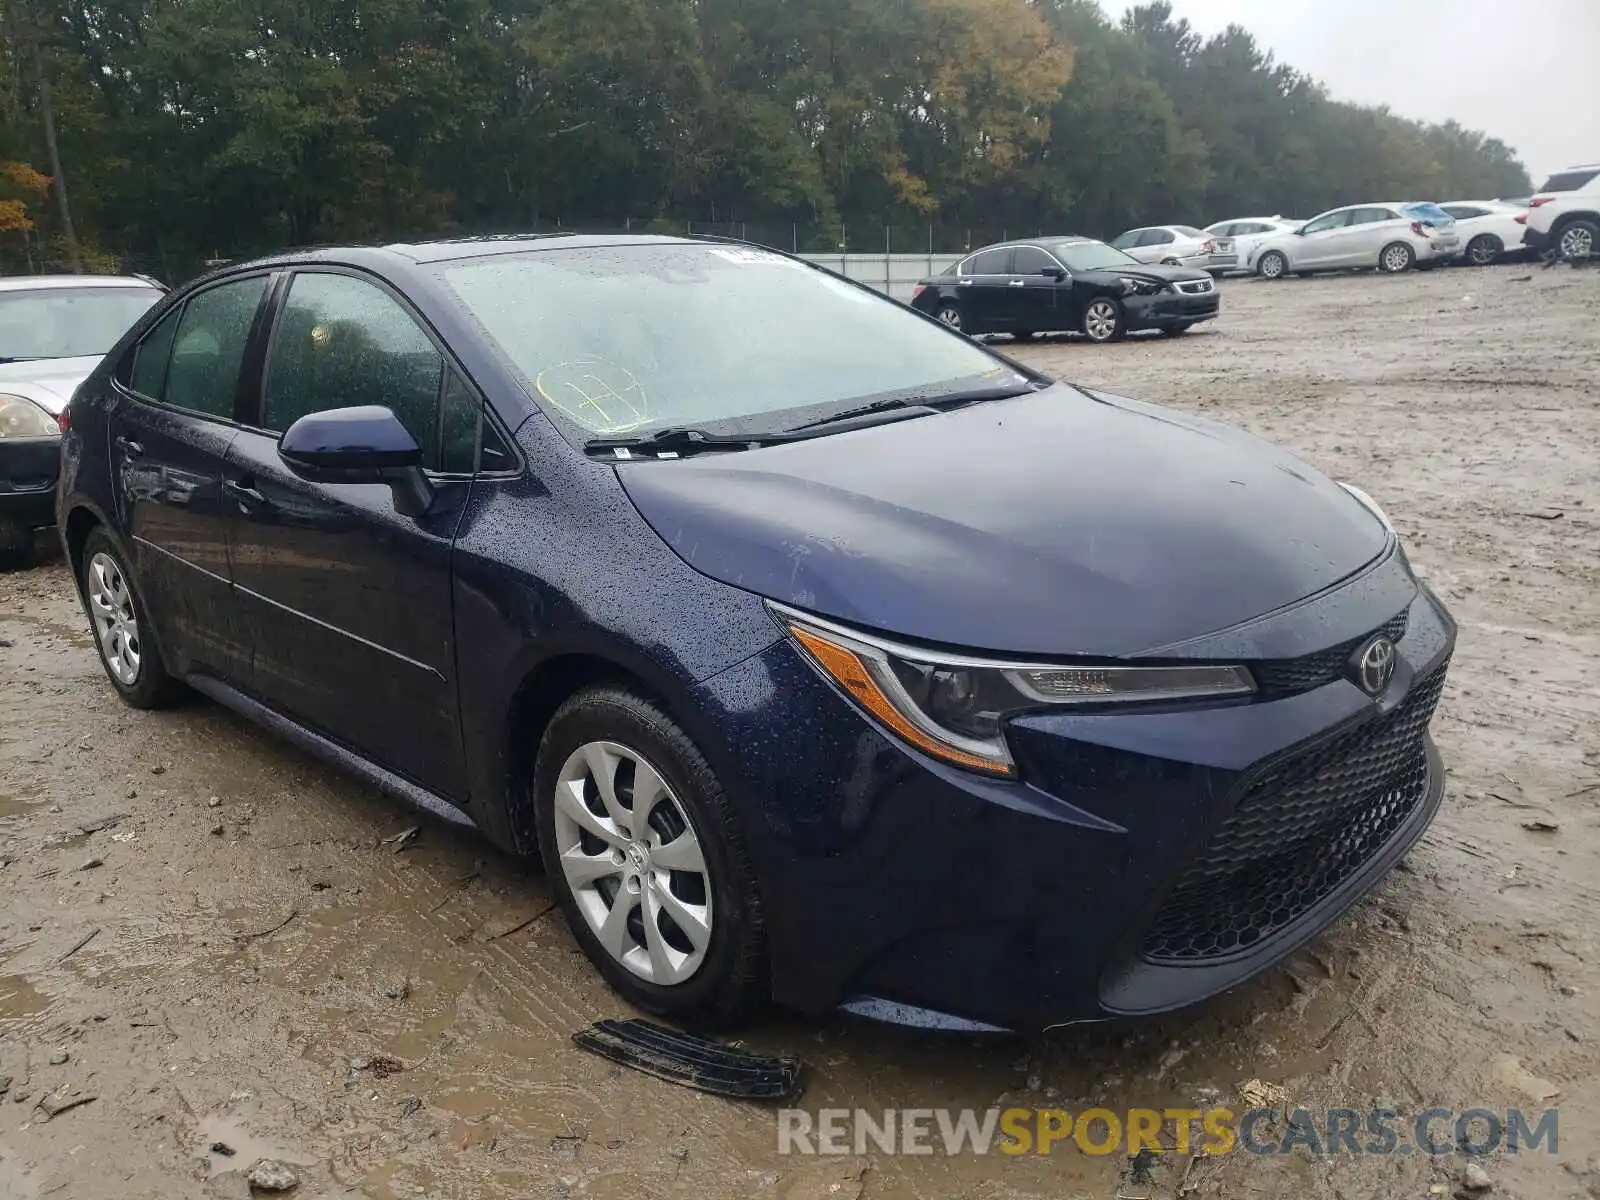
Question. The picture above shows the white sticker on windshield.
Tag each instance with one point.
(750, 256)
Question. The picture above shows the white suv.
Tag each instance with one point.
(1563, 216)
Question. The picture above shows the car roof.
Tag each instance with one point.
(449, 249)
(18, 283)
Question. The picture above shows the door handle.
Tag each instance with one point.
(244, 494)
(128, 446)
(963, 283)
(1018, 283)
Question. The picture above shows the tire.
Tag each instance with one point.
(1104, 320)
(949, 315)
(122, 629)
(1483, 250)
(1396, 257)
(609, 730)
(1274, 264)
(16, 545)
(1176, 330)
(1577, 238)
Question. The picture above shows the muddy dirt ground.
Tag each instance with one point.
(241, 960)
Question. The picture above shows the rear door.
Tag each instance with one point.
(171, 422)
(984, 286)
(1154, 245)
(347, 600)
(1369, 231)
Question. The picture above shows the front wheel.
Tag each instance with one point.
(1273, 265)
(128, 652)
(1396, 257)
(646, 860)
(1103, 320)
(1484, 249)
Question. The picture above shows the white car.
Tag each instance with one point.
(1488, 228)
(1178, 246)
(1564, 215)
(1247, 234)
(1391, 237)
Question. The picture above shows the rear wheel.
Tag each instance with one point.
(1396, 257)
(1577, 238)
(1103, 320)
(1272, 265)
(16, 545)
(1484, 249)
(129, 654)
(646, 860)
(950, 314)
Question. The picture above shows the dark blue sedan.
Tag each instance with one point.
(821, 654)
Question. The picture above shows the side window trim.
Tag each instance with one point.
(176, 313)
(252, 420)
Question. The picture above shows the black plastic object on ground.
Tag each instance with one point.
(692, 1061)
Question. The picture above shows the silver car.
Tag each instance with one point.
(1247, 233)
(1179, 246)
(1394, 236)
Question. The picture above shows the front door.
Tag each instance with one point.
(1319, 242)
(171, 423)
(348, 599)
(1032, 292)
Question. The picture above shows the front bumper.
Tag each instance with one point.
(898, 886)
(28, 471)
(1171, 308)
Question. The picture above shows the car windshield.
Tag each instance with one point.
(68, 322)
(1427, 212)
(1092, 256)
(621, 340)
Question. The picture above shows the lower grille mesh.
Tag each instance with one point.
(1298, 832)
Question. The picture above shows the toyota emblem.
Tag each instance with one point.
(1375, 665)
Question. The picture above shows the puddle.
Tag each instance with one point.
(19, 999)
(219, 1129)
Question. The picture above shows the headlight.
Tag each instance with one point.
(22, 418)
(1368, 503)
(1144, 287)
(953, 708)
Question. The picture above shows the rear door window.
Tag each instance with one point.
(990, 262)
(208, 347)
(1156, 237)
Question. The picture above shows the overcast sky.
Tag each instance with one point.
(1524, 71)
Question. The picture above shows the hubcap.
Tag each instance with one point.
(1577, 242)
(1395, 258)
(1272, 266)
(951, 317)
(115, 624)
(636, 869)
(1100, 322)
(1483, 252)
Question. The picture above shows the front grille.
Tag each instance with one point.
(1285, 676)
(1299, 830)
(1196, 287)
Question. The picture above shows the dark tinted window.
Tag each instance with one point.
(1570, 181)
(1030, 260)
(459, 436)
(150, 359)
(1156, 237)
(208, 351)
(1464, 212)
(342, 342)
(989, 262)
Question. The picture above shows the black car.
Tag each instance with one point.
(1066, 283)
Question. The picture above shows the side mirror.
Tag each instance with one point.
(1055, 273)
(359, 445)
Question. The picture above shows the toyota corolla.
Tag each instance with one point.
(822, 655)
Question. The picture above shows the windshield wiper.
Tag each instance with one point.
(923, 404)
(678, 438)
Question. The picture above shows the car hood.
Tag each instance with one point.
(1058, 523)
(48, 382)
(1154, 273)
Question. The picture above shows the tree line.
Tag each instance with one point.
(159, 134)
